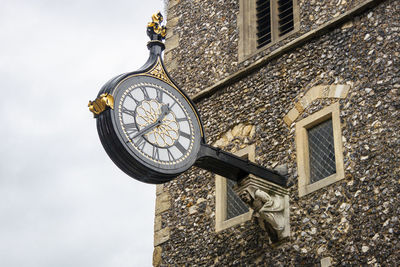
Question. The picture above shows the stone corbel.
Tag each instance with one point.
(270, 203)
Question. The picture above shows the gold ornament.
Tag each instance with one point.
(101, 103)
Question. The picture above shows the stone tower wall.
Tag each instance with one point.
(345, 52)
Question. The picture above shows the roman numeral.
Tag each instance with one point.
(159, 96)
(131, 128)
(182, 119)
(145, 93)
(180, 147)
(186, 135)
(134, 99)
(170, 155)
(173, 104)
(128, 111)
(140, 143)
(156, 153)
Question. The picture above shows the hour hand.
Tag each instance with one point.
(164, 112)
(146, 129)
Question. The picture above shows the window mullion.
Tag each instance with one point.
(274, 20)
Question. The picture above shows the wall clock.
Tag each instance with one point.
(152, 130)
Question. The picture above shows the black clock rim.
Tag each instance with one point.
(111, 84)
(123, 159)
(112, 144)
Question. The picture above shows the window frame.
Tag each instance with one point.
(247, 24)
(302, 148)
(221, 223)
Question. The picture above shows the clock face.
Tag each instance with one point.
(156, 124)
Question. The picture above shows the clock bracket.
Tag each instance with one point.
(233, 167)
(262, 189)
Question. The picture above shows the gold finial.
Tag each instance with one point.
(155, 25)
(101, 103)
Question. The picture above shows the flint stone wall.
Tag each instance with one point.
(352, 222)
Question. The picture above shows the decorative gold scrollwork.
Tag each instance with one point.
(157, 18)
(158, 72)
(163, 135)
(101, 103)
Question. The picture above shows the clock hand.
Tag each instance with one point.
(164, 112)
(146, 129)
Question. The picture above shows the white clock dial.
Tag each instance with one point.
(156, 124)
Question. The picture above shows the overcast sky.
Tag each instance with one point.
(62, 200)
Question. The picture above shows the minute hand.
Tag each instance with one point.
(164, 111)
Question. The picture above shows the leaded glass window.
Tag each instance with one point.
(234, 206)
(321, 151)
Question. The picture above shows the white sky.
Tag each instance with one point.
(62, 200)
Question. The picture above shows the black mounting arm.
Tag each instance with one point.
(233, 167)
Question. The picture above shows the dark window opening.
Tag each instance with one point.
(286, 21)
(235, 206)
(270, 15)
(263, 13)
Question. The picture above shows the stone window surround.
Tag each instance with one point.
(330, 112)
(317, 92)
(221, 195)
(247, 27)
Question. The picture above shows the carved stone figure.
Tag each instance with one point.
(268, 209)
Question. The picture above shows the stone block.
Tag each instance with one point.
(253, 131)
(161, 236)
(282, 169)
(163, 203)
(326, 262)
(171, 65)
(171, 43)
(157, 223)
(342, 90)
(159, 189)
(287, 121)
(325, 92)
(247, 130)
(157, 256)
(172, 22)
(293, 114)
(167, 57)
(299, 107)
(315, 92)
(170, 33)
(305, 101)
(237, 130)
(172, 3)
